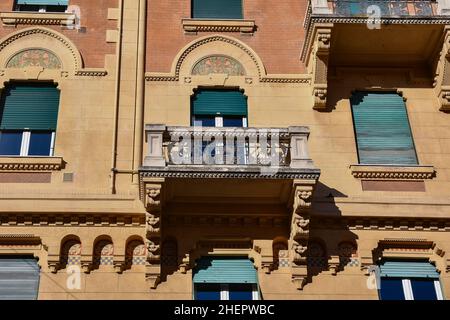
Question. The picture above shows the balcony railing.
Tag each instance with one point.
(244, 150)
(396, 8)
(377, 8)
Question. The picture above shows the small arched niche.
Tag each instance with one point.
(70, 251)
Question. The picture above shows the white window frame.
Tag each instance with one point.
(225, 292)
(408, 292)
(25, 144)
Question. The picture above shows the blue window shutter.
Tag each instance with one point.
(219, 102)
(44, 2)
(382, 129)
(19, 278)
(217, 9)
(408, 269)
(29, 106)
(225, 270)
(391, 289)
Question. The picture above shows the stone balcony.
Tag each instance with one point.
(195, 152)
(228, 178)
(411, 35)
(383, 8)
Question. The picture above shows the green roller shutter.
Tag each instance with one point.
(382, 129)
(29, 106)
(19, 278)
(219, 102)
(408, 269)
(217, 9)
(225, 270)
(44, 2)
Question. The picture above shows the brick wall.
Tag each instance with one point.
(278, 39)
(92, 44)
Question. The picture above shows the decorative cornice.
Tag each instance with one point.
(382, 223)
(31, 163)
(311, 20)
(279, 79)
(227, 220)
(194, 26)
(375, 172)
(41, 18)
(68, 220)
(91, 73)
(167, 172)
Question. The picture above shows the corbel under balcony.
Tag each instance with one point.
(192, 26)
(37, 18)
(17, 164)
(380, 172)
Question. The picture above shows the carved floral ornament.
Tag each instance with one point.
(218, 64)
(34, 58)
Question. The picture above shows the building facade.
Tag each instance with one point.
(234, 149)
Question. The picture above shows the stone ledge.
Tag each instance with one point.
(197, 25)
(31, 164)
(37, 18)
(379, 172)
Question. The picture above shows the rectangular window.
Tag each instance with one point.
(382, 130)
(41, 5)
(226, 291)
(409, 280)
(19, 278)
(217, 9)
(28, 117)
(225, 278)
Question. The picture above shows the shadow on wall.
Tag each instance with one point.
(332, 246)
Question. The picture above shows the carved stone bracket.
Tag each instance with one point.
(302, 197)
(318, 65)
(442, 80)
(153, 203)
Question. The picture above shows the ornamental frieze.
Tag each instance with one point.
(34, 58)
(218, 64)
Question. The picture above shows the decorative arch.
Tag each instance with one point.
(348, 254)
(280, 252)
(227, 45)
(317, 255)
(103, 251)
(135, 253)
(44, 39)
(70, 251)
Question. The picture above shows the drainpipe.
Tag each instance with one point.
(116, 99)
(140, 90)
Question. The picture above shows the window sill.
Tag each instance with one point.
(380, 172)
(214, 25)
(8, 164)
(37, 18)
